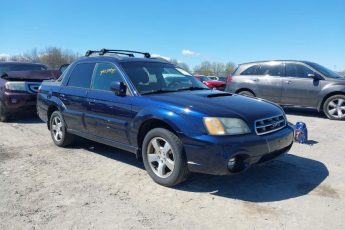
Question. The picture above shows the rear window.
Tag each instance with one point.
(81, 75)
(20, 67)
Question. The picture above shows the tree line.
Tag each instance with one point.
(54, 57)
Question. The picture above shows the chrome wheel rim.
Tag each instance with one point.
(57, 129)
(336, 108)
(160, 157)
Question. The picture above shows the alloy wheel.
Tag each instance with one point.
(336, 108)
(57, 128)
(160, 157)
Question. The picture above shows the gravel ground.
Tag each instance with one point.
(92, 186)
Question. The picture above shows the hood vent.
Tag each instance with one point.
(219, 95)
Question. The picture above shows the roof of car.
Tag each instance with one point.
(254, 62)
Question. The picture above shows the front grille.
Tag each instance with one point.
(270, 124)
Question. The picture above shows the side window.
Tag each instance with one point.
(296, 70)
(271, 70)
(105, 74)
(81, 75)
(251, 70)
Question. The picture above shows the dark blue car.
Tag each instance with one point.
(165, 116)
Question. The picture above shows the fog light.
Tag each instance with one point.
(231, 163)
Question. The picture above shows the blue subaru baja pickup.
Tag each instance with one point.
(169, 119)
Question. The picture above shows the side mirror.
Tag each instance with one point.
(119, 88)
(315, 76)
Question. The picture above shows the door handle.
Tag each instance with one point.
(255, 79)
(92, 102)
(62, 96)
(289, 82)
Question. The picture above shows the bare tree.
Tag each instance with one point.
(218, 68)
(180, 64)
(229, 68)
(52, 56)
(204, 68)
(55, 57)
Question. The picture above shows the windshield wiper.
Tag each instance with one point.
(159, 91)
(193, 88)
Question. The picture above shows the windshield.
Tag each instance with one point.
(325, 71)
(20, 67)
(149, 77)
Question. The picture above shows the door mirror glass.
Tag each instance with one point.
(119, 88)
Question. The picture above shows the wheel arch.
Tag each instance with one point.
(322, 102)
(245, 89)
(51, 109)
(150, 124)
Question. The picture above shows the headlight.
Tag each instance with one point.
(15, 86)
(225, 126)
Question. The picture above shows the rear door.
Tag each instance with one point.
(298, 88)
(270, 81)
(73, 95)
(108, 115)
(263, 79)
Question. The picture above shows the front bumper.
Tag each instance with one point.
(211, 154)
(19, 101)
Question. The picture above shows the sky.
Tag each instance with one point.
(190, 31)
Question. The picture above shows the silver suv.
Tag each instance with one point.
(292, 83)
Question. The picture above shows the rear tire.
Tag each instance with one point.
(246, 93)
(3, 115)
(164, 158)
(334, 107)
(58, 130)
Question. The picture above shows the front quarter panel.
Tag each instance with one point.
(330, 88)
(181, 123)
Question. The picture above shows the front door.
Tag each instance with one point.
(108, 115)
(298, 88)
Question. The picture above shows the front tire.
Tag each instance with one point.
(334, 107)
(58, 130)
(164, 158)
(3, 115)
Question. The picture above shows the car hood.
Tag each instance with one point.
(37, 75)
(215, 103)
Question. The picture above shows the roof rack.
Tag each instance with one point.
(129, 53)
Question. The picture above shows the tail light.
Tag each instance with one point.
(229, 79)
